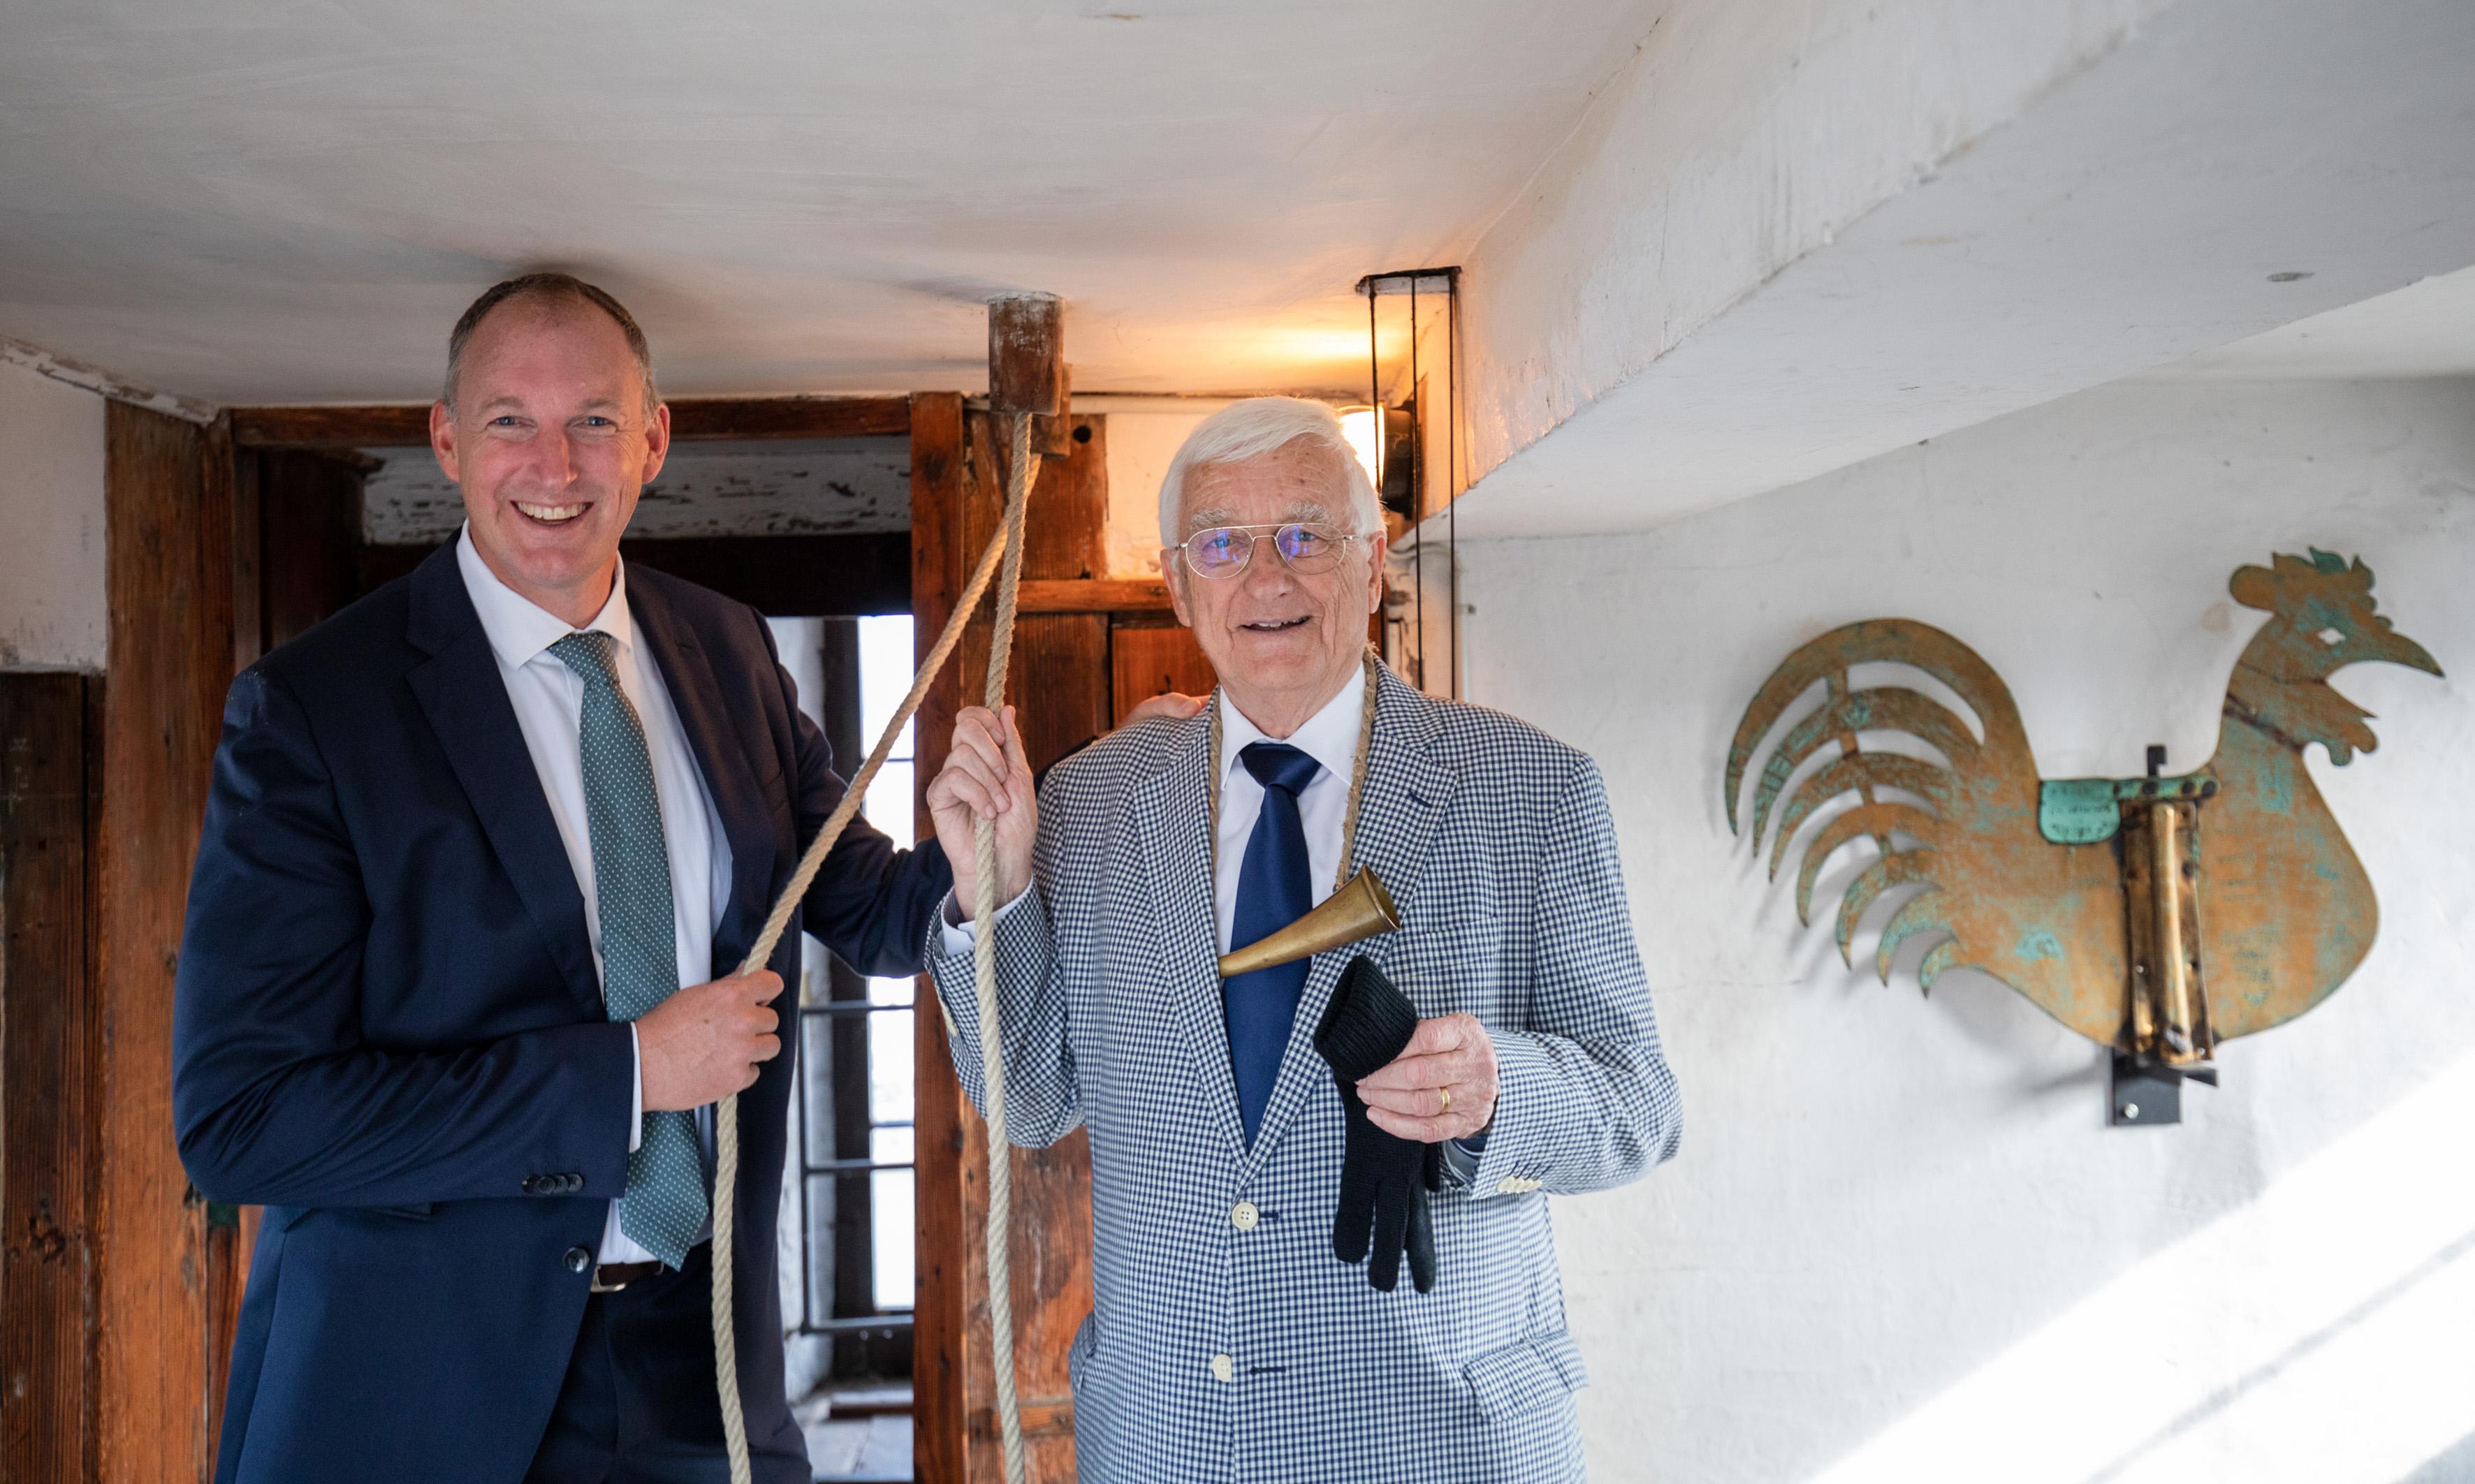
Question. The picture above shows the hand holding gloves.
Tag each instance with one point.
(1384, 1178)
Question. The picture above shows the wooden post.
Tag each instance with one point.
(1027, 370)
(1027, 353)
(169, 580)
(936, 1344)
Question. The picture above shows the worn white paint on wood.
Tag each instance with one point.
(1900, 1244)
(789, 488)
(52, 613)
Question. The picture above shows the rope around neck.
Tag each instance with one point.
(1005, 545)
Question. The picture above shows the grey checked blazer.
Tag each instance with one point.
(1223, 1348)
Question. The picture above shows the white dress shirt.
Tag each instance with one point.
(1330, 736)
(549, 700)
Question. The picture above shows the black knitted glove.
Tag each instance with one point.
(1384, 1178)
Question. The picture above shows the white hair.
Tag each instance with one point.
(1257, 426)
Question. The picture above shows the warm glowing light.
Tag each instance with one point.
(1361, 427)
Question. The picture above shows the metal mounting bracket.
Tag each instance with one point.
(2166, 1035)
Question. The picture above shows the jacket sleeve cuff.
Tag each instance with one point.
(1514, 1154)
(955, 931)
(636, 1103)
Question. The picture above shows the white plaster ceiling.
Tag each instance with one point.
(2424, 330)
(290, 200)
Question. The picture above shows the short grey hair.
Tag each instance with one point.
(1254, 427)
(556, 287)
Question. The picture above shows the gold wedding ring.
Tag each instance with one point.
(1446, 1093)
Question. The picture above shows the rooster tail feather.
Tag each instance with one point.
(1919, 914)
(1847, 713)
(1903, 868)
(1877, 821)
(1863, 772)
(1944, 954)
(1888, 641)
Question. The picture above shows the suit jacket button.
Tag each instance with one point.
(533, 1184)
(578, 1259)
(574, 1182)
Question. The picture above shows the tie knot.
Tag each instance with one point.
(591, 655)
(1279, 766)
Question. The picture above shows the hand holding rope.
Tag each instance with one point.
(1004, 550)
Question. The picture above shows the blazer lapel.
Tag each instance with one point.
(1405, 793)
(1173, 828)
(460, 692)
(729, 774)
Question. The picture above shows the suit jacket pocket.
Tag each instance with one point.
(284, 1218)
(1525, 1376)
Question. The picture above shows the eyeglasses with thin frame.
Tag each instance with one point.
(1305, 546)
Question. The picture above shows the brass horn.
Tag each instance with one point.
(1359, 908)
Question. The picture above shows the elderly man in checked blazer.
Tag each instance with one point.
(1248, 1153)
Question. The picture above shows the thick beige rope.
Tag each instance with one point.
(1005, 545)
(984, 966)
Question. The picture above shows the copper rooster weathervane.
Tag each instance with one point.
(2156, 915)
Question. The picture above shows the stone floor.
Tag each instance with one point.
(861, 1435)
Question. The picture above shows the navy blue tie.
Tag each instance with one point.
(1275, 888)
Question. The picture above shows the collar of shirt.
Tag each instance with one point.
(1330, 736)
(517, 628)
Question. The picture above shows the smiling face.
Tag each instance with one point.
(1283, 641)
(551, 441)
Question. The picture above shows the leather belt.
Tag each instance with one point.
(610, 1277)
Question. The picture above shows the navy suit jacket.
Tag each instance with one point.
(388, 1026)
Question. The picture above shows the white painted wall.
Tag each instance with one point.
(1899, 1244)
(52, 612)
(1145, 433)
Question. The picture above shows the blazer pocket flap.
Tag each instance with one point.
(1525, 1376)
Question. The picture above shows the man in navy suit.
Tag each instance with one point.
(453, 1005)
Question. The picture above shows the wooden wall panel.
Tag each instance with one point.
(1150, 659)
(1066, 533)
(308, 517)
(48, 1267)
(169, 579)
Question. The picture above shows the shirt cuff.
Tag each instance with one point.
(957, 938)
(636, 1098)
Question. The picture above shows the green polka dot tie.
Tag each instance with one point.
(640, 966)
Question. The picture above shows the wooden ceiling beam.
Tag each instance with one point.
(693, 420)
